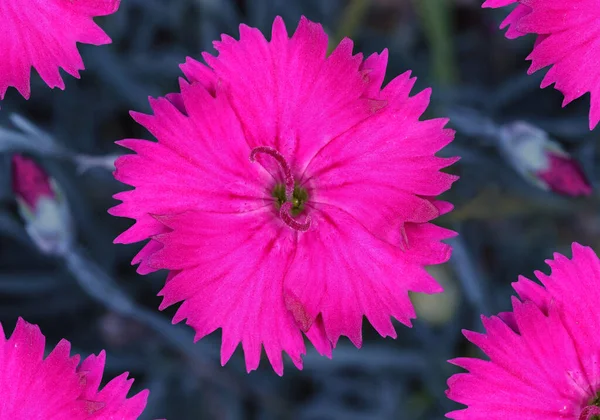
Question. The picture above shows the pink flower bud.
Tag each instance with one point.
(564, 176)
(542, 161)
(41, 205)
(29, 181)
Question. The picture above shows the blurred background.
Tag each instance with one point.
(524, 162)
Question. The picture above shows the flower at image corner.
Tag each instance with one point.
(288, 194)
(568, 40)
(544, 355)
(43, 35)
(58, 387)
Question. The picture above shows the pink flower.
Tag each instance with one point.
(568, 40)
(542, 161)
(288, 193)
(43, 35)
(544, 355)
(58, 387)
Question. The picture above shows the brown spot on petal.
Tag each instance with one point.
(293, 304)
(92, 407)
(83, 377)
(365, 75)
(376, 105)
(404, 245)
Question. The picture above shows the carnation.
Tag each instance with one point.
(288, 194)
(43, 35)
(544, 355)
(568, 40)
(58, 387)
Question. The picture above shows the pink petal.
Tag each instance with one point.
(544, 362)
(373, 68)
(94, 8)
(284, 96)
(572, 286)
(569, 41)
(197, 169)
(532, 291)
(199, 73)
(116, 403)
(342, 272)
(494, 4)
(378, 170)
(232, 274)
(526, 377)
(43, 35)
(318, 337)
(512, 21)
(145, 253)
(513, 17)
(54, 388)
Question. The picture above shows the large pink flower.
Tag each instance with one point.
(58, 387)
(568, 39)
(43, 34)
(544, 355)
(288, 193)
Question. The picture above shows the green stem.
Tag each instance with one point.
(351, 20)
(435, 18)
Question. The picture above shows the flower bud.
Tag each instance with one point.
(42, 206)
(542, 161)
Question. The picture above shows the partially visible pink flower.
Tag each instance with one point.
(542, 161)
(288, 193)
(43, 34)
(568, 40)
(58, 387)
(42, 206)
(544, 355)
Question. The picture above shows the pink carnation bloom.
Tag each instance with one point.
(58, 387)
(568, 40)
(43, 34)
(288, 193)
(544, 355)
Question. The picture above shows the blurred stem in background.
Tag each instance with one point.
(436, 18)
(105, 290)
(350, 21)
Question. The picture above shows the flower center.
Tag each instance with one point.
(592, 411)
(299, 197)
(290, 196)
